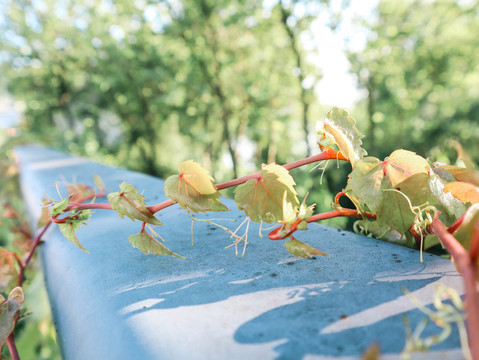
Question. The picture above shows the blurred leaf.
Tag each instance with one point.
(8, 272)
(459, 173)
(99, 182)
(148, 244)
(339, 128)
(262, 198)
(372, 353)
(8, 312)
(193, 189)
(462, 155)
(463, 191)
(128, 202)
(302, 250)
(464, 234)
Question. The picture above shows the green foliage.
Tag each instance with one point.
(128, 202)
(262, 198)
(148, 244)
(8, 271)
(73, 222)
(193, 189)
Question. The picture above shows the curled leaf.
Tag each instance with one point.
(339, 128)
(148, 244)
(128, 202)
(262, 198)
(59, 207)
(193, 189)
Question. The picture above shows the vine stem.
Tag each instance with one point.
(467, 269)
(327, 154)
(339, 213)
(36, 242)
(12, 348)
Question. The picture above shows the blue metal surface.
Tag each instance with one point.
(117, 303)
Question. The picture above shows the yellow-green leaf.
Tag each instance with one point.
(300, 249)
(402, 164)
(366, 181)
(128, 202)
(148, 244)
(72, 224)
(339, 128)
(193, 189)
(262, 198)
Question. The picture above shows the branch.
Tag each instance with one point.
(467, 268)
(12, 348)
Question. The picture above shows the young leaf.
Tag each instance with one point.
(463, 191)
(8, 312)
(7, 269)
(128, 202)
(73, 223)
(262, 198)
(193, 189)
(340, 128)
(300, 249)
(402, 164)
(148, 244)
(78, 191)
(366, 182)
(99, 182)
(60, 207)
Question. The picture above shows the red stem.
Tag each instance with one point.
(12, 348)
(36, 242)
(467, 269)
(327, 154)
(474, 249)
(338, 213)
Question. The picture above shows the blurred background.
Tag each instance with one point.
(233, 84)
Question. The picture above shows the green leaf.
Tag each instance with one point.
(339, 128)
(402, 164)
(262, 198)
(193, 189)
(366, 182)
(128, 202)
(394, 209)
(148, 244)
(300, 249)
(69, 228)
(8, 312)
(59, 207)
(382, 232)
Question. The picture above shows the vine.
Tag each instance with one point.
(401, 198)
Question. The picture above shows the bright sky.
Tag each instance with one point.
(337, 87)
